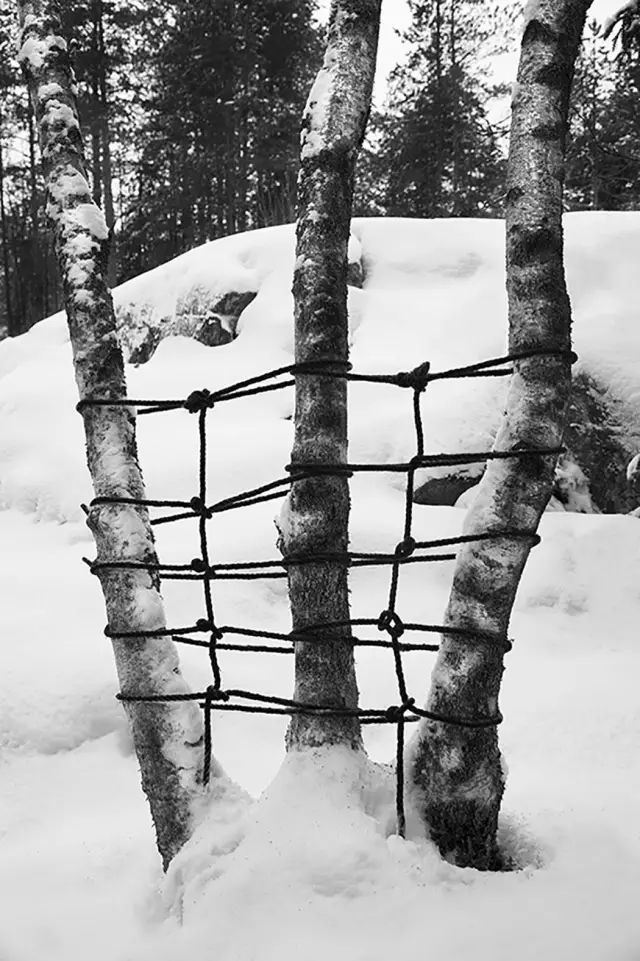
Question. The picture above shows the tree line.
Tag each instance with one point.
(191, 115)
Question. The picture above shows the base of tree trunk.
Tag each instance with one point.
(459, 782)
(476, 824)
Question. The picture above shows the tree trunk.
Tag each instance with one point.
(105, 149)
(456, 770)
(439, 147)
(318, 509)
(167, 736)
(5, 250)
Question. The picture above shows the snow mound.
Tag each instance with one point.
(433, 290)
(312, 866)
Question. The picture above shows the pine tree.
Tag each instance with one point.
(603, 160)
(30, 289)
(219, 148)
(432, 146)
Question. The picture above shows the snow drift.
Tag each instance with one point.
(313, 866)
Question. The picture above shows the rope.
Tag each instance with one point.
(389, 621)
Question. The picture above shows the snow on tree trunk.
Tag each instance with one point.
(317, 512)
(456, 771)
(167, 737)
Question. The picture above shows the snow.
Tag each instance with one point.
(60, 113)
(90, 217)
(314, 127)
(616, 15)
(531, 8)
(46, 90)
(312, 867)
(32, 52)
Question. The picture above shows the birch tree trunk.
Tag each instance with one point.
(318, 508)
(457, 771)
(167, 736)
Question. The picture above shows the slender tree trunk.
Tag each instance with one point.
(318, 509)
(167, 736)
(36, 302)
(105, 137)
(96, 162)
(456, 770)
(5, 250)
(105, 149)
(439, 126)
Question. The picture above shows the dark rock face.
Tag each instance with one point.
(590, 478)
(355, 274)
(207, 317)
(595, 436)
(444, 490)
(139, 331)
(211, 320)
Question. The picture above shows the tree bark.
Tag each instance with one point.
(457, 771)
(167, 736)
(317, 512)
(5, 249)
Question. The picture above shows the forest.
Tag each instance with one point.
(191, 114)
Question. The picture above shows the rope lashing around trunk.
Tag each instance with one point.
(407, 551)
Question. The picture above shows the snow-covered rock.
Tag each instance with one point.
(433, 290)
(197, 302)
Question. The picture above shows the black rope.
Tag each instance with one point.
(220, 700)
(389, 621)
(420, 376)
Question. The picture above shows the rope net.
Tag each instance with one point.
(217, 697)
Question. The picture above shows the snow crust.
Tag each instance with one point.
(616, 14)
(33, 51)
(312, 867)
(315, 115)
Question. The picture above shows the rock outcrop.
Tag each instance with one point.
(592, 477)
(206, 317)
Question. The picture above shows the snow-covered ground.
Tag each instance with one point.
(313, 867)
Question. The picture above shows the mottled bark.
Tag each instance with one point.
(167, 737)
(456, 770)
(318, 508)
(5, 249)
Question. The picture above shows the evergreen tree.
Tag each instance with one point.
(433, 148)
(603, 171)
(219, 148)
(102, 34)
(29, 287)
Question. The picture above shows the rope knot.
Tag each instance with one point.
(396, 712)
(215, 694)
(203, 624)
(198, 400)
(406, 547)
(391, 622)
(198, 507)
(418, 378)
(198, 565)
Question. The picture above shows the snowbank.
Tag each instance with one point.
(434, 290)
(313, 867)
